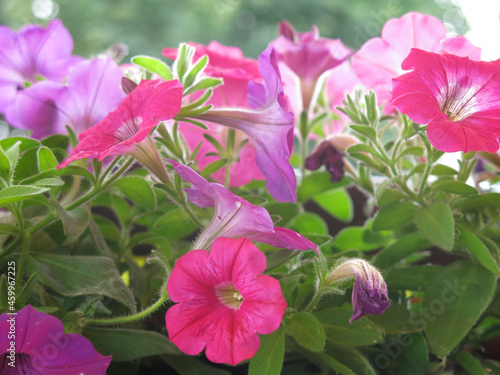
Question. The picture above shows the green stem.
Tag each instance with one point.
(428, 165)
(100, 186)
(314, 301)
(22, 263)
(131, 318)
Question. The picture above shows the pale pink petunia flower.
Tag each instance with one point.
(223, 301)
(457, 97)
(379, 59)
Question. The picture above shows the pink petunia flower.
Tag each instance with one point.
(126, 129)
(40, 347)
(234, 217)
(308, 56)
(236, 71)
(91, 92)
(223, 301)
(379, 59)
(457, 97)
(32, 53)
(269, 125)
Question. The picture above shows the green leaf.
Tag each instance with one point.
(117, 342)
(413, 278)
(442, 170)
(435, 223)
(416, 352)
(5, 167)
(18, 193)
(335, 365)
(137, 190)
(337, 328)
(154, 66)
(477, 248)
(195, 70)
(49, 182)
(480, 201)
(394, 215)
(213, 167)
(27, 166)
(455, 299)
(337, 202)
(361, 147)
(397, 320)
(468, 362)
(81, 275)
(350, 357)
(56, 141)
(367, 131)
(412, 150)
(24, 143)
(75, 221)
(309, 222)
(315, 184)
(269, 358)
(452, 186)
(46, 159)
(359, 238)
(177, 215)
(205, 83)
(400, 249)
(306, 330)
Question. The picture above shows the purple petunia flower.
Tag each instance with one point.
(269, 125)
(91, 92)
(32, 53)
(369, 294)
(39, 346)
(234, 217)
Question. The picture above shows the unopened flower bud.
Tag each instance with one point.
(369, 294)
(330, 153)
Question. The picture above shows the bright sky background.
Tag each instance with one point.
(483, 17)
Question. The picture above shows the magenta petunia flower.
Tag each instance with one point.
(224, 301)
(91, 92)
(236, 71)
(39, 346)
(308, 56)
(379, 59)
(32, 53)
(269, 125)
(369, 294)
(234, 217)
(126, 129)
(457, 97)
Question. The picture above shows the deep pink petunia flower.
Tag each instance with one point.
(236, 71)
(126, 129)
(40, 347)
(379, 59)
(457, 97)
(92, 91)
(223, 301)
(234, 217)
(269, 125)
(308, 56)
(369, 293)
(31, 53)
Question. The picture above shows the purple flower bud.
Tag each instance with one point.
(369, 294)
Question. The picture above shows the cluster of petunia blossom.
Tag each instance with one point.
(223, 300)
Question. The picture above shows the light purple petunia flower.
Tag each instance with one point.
(269, 124)
(369, 294)
(40, 347)
(308, 56)
(234, 217)
(32, 53)
(91, 92)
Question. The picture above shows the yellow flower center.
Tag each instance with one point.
(229, 296)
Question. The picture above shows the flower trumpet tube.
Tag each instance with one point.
(269, 125)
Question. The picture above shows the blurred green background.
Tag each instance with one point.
(147, 26)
